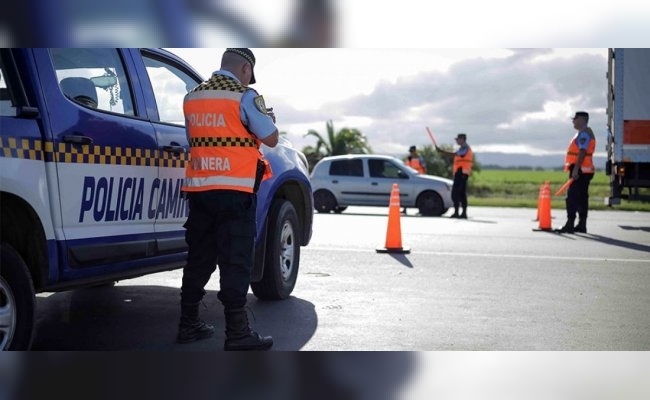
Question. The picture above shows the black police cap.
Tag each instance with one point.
(248, 56)
(582, 114)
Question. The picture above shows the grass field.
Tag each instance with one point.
(520, 188)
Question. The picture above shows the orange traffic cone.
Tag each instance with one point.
(544, 207)
(539, 197)
(394, 231)
(539, 201)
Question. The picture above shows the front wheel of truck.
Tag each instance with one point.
(282, 253)
(16, 301)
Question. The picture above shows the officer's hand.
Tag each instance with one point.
(270, 113)
(574, 174)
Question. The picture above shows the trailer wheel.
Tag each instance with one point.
(16, 301)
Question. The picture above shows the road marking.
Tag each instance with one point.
(490, 255)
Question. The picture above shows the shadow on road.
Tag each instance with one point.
(211, 375)
(569, 236)
(127, 317)
(616, 242)
(481, 221)
(402, 259)
(635, 228)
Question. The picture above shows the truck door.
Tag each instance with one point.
(169, 81)
(105, 151)
(22, 158)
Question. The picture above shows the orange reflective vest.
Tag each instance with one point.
(223, 154)
(416, 164)
(587, 166)
(465, 162)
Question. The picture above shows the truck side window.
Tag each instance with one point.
(170, 85)
(93, 78)
(7, 108)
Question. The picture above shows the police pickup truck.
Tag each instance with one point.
(92, 158)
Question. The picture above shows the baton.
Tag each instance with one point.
(432, 138)
(564, 187)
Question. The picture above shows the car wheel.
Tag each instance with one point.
(282, 253)
(340, 209)
(324, 201)
(16, 301)
(430, 204)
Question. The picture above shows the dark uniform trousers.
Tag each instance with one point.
(220, 229)
(577, 200)
(459, 189)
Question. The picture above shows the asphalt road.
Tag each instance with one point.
(487, 283)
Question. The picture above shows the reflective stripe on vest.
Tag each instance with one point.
(223, 154)
(416, 164)
(573, 151)
(465, 162)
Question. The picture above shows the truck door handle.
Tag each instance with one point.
(77, 139)
(335, 181)
(174, 149)
(374, 184)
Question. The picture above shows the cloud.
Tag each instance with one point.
(525, 98)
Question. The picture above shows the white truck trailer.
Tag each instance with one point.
(628, 120)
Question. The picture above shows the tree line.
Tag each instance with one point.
(352, 141)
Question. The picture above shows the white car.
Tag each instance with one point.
(367, 180)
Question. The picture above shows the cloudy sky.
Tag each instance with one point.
(506, 100)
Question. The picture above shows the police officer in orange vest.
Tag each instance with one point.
(461, 170)
(415, 161)
(226, 122)
(580, 166)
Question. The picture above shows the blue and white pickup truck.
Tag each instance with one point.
(92, 157)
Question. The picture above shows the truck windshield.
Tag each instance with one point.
(94, 78)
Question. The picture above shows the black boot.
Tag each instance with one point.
(463, 215)
(191, 328)
(239, 335)
(567, 228)
(582, 223)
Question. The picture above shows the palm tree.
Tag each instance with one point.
(345, 141)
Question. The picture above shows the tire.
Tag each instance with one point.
(282, 253)
(17, 301)
(340, 209)
(324, 201)
(430, 204)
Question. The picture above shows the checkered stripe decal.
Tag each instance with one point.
(29, 149)
(34, 149)
(221, 82)
(222, 142)
(169, 160)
